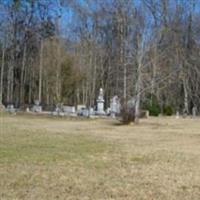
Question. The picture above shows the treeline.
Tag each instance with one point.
(64, 51)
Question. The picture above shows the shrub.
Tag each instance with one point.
(152, 105)
(154, 110)
(127, 115)
(168, 111)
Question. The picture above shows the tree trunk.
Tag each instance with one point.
(2, 73)
(125, 83)
(40, 73)
(138, 94)
(186, 106)
(58, 73)
(22, 77)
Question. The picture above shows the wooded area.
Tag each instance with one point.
(64, 51)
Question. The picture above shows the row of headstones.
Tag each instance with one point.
(113, 110)
(82, 110)
(185, 114)
(69, 110)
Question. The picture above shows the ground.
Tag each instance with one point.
(55, 158)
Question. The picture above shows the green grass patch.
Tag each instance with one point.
(40, 147)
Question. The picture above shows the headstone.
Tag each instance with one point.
(11, 109)
(61, 114)
(194, 111)
(177, 115)
(69, 109)
(80, 107)
(147, 114)
(37, 102)
(54, 113)
(37, 108)
(57, 111)
(27, 110)
(85, 112)
(91, 111)
(100, 103)
(108, 111)
(115, 106)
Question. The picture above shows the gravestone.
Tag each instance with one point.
(91, 111)
(115, 106)
(194, 111)
(37, 108)
(147, 114)
(69, 109)
(85, 113)
(100, 103)
(80, 109)
(61, 114)
(108, 111)
(10, 108)
(57, 111)
(54, 113)
(177, 115)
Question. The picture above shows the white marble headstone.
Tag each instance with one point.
(100, 103)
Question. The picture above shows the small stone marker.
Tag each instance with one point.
(85, 112)
(177, 115)
(147, 114)
(108, 111)
(57, 110)
(194, 112)
(61, 114)
(91, 111)
(27, 110)
(80, 109)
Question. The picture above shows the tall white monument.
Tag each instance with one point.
(100, 103)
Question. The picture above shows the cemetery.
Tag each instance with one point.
(99, 100)
(53, 154)
(72, 111)
(115, 109)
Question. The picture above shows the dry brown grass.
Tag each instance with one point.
(49, 158)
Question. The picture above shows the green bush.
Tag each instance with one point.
(152, 105)
(154, 110)
(168, 111)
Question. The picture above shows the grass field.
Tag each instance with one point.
(51, 158)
